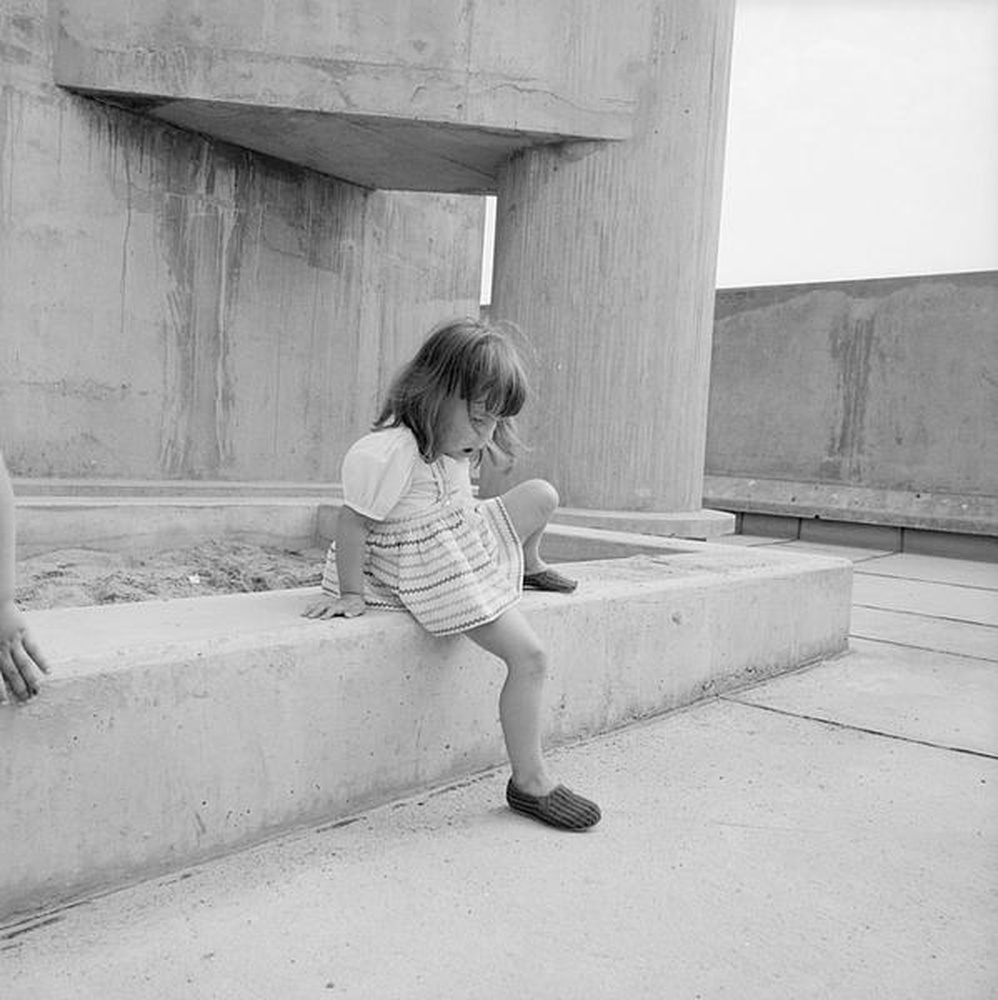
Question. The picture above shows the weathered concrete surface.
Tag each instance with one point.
(29, 489)
(95, 515)
(880, 391)
(976, 606)
(703, 524)
(430, 98)
(915, 694)
(747, 850)
(607, 252)
(139, 525)
(935, 570)
(963, 638)
(742, 853)
(927, 511)
(173, 307)
(173, 731)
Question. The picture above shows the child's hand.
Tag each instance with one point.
(20, 658)
(327, 606)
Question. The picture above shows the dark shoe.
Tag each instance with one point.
(549, 579)
(561, 808)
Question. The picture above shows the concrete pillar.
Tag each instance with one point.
(605, 257)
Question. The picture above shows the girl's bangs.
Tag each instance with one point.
(497, 382)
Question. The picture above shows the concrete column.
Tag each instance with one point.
(605, 257)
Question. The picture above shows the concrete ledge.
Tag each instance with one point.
(698, 524)
(963, 513)
(139, 524)
(26, 487)
(950, 544)
(174, 731)
(634, 530)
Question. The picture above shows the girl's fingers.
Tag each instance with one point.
(12, 679)
(35, 653)
(337, 609)
(323, 610)
(25, 666)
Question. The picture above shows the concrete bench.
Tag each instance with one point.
(173, 731)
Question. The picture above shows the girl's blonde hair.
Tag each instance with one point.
(468, 358)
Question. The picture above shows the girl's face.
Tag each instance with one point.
(468, 428)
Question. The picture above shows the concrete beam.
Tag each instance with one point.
(434, 98)
(174, 731)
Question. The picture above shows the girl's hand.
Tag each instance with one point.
(327, 606)
(20, 658)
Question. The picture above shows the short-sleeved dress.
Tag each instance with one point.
(452, 561)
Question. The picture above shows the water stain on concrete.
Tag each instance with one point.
(201, 227)
(851, 342)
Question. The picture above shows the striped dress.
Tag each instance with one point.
(452, 561)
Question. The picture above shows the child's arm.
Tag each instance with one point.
(20, 659)
(351, 534)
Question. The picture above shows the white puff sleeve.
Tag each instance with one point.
(377, 471)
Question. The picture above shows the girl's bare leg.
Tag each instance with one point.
(511, 638)
(530, 506)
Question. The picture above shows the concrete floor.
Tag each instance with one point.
(830, 833)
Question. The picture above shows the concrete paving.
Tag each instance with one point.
(829, 833)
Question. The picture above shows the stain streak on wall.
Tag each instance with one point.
(884, 384)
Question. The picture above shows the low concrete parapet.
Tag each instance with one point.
(149, 524)
(171, 732)
(866, 402)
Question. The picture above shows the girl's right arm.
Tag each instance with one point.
(351, 533)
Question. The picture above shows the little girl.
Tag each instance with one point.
(412, 536)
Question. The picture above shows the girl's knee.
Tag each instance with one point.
(530, 505)
(531, 663)
(547, 495)
(543, 497)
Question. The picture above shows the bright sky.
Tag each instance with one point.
(862, 141)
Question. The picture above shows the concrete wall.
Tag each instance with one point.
(888, 385)
(173, 307)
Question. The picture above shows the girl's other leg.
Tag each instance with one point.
(511, 638)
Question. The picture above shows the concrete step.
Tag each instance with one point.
(175, 731)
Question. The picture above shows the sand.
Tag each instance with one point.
(78, 577)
